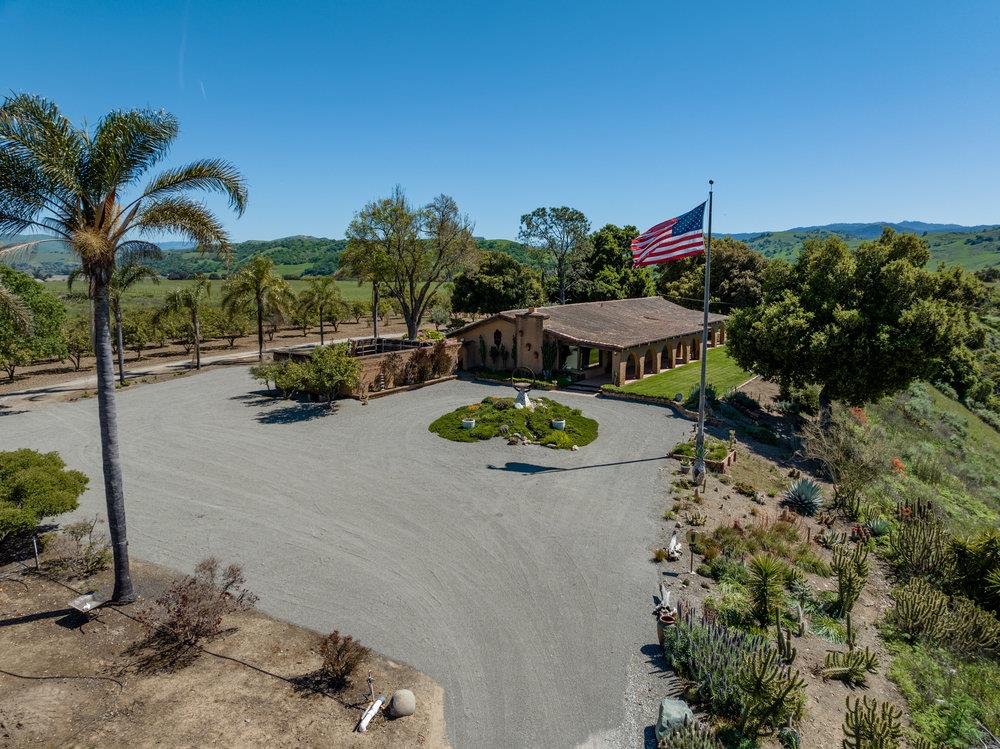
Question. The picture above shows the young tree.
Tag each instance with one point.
(257, 284)
(409, 253)
(59, 178)
(188, 302)
(323, 296)
(498, 283)
(331, 369)
(360, 308)
(560, 235)
(79, 340)
(44, 313)
(138, 331)
(860, 324)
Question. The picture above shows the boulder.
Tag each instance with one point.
(403, 703)
(672, 713)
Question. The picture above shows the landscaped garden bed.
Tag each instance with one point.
(497, 417)
(719, 455)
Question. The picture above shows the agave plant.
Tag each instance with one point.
(878, 527)
(804, 497)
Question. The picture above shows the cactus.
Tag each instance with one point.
(919, 548)
(772, 693)
(850, 667)
(689, 736)
(869, 724)
(850, 636)
(851, 569)
(922, 612)
(786, 652)
(804, 497)
(803, 624)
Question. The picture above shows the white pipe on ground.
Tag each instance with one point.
(370, 713)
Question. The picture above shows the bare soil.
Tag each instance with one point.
(53, 373)
(66, 681)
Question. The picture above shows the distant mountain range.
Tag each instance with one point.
(972, 247)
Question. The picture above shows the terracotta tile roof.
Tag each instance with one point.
(616, 324)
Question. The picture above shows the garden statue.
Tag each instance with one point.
(521, 380)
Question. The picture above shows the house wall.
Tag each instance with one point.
(470, 355)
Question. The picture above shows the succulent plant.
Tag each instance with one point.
(878, 527)
(784, 639)
(869, 724)
(851, 667)
(804, 497)
(689, 736)
(851, 569)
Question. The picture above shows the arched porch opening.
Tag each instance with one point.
(632, 367)
(666, 356)
(649, 362)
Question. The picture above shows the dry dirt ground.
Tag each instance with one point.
(59, 380)
(239, 695)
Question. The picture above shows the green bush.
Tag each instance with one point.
(35, 486)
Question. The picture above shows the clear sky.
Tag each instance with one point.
(803, 112)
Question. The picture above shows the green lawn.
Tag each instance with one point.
(723, 372)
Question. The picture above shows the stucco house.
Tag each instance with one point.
(615, 341)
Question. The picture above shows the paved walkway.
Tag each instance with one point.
(517, 577)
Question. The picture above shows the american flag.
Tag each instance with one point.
(671, 240)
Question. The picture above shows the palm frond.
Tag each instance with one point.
(33, 130)
(213, 175)
(124, 146)
(185, 217)
(138, 251)
(18, 310)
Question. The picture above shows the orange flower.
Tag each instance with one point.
(898, 466)
(473, 407)
(859, 415)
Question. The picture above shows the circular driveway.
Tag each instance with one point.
(517, 577)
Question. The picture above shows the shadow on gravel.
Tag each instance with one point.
(528, 469)
(295, 413)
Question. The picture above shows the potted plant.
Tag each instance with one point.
(559, 424)
(686, 466)
(468, 422)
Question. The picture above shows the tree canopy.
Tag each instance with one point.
(737, 277)
(42, 337)
(34, 486)
(610, 274)
(409, 252)
(861, 324)
(560, 237)
(498, 283)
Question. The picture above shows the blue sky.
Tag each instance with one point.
(803, 113)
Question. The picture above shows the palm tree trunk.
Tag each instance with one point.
(197, 340)
(321, 337)
(121, 345)
(114, 488)
(260, 330)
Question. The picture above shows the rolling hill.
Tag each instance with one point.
(972, 247)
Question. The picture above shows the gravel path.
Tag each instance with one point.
(517, 577)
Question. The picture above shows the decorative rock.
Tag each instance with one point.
(574, 448)
(403, 703)
(672, 713)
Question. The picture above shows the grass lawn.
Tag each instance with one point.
(723, 372)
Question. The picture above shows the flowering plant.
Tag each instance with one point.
(898, 465)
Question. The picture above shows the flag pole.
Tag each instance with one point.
(699, 463)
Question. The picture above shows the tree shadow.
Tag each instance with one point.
(295, 413)
(318, 683)
(529, 469)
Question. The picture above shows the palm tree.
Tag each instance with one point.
(129, 270)
(71, 182)
(18, 310)
(322, 294)
(188, 301)
(257, 283)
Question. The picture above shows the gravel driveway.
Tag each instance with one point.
(517, 577)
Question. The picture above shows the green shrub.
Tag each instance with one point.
(35, 486)
(693, 400)
(741, 400)
(497, 417)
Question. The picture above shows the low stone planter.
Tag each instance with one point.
(468, 423)
(719, 466)
(559, 424)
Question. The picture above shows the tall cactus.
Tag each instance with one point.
(786, 651)
(851, 667)
(692, 735)
(869, 724)
(851, 569)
